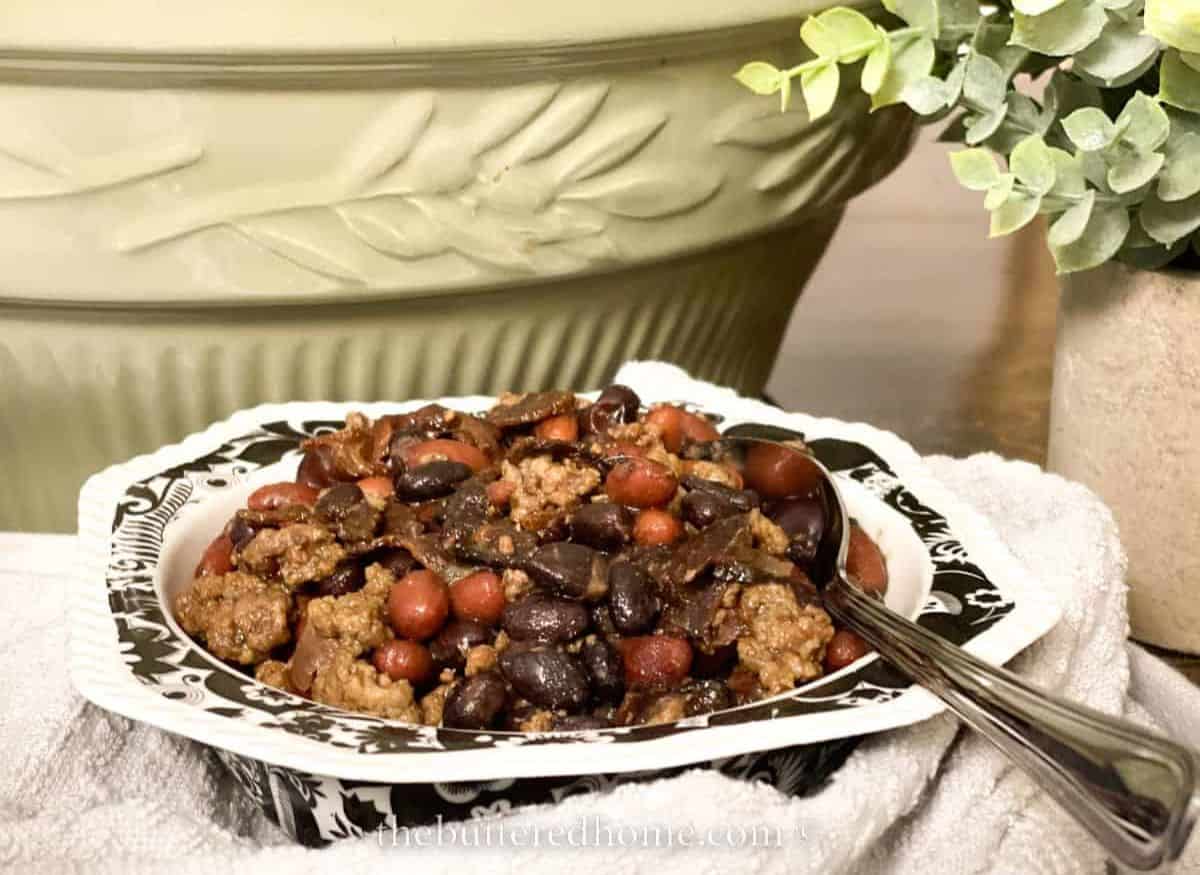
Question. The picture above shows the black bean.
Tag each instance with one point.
(702, 509)
(631, 599)
(476, 702)
(544, 618)
(399, 562)
(450, 646)
(546, 677)
(704, 697)
(572, 570)
(337, 501)
(602, 525)
(803, 519)
(615, 405)
(346, 578)
(240, 532)
(601, 619)
(431, 480)
(580, 723)
(604, 669)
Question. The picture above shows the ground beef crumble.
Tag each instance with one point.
(241, 617)
(353, 684)
(768, 536)
(297, 554)
(784, 641)
(357, 618)
(543, 488)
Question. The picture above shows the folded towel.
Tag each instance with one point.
(84, 790)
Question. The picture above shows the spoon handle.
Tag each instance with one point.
(1132, 790)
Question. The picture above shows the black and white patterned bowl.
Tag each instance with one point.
(325, 774)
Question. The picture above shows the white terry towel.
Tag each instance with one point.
(83, 790)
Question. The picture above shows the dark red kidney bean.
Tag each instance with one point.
(478, 596)
(418, 605)
(580, 723)
(572, 570)
(431, 480)
(655, 527)
(546, 677)
(669, 421)
(276, 495)
(317, 469)
(346, 578)
(640, 483)
(545, 619)
(605, 672)
(450, 646)
(844, 648)
(404, 661)
(655, 660)
(398, 562)
(631, 599)
(865, 563)
(416, 455)
(558, 428)
(775, 471)
(616, 405)
(337, 501)
(217, 558)
(602, 525)
(803, 519)
(706, 697)
(476, 702)
(240, 532)
(702, 509)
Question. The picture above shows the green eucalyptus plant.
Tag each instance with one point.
(1103, 136)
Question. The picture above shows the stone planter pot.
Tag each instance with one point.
(1125, 420)
(208, 208)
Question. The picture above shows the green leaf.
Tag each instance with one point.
(992, 40)
(984, 83)
(1000, 192)
(975, 169)
(1069, 178)
(956, 19)
(1066, 93)
(1033, 164)
(928, 95)
(1064, 30)
(1100, 240)
(1120, 55)
(1181, 177)
(1133, 171)
(1192, 59)
(852, 33)
(917, 13)
(820, 88)
(875, 69)
(1168, 221)
(820, 40)
(760, 77)
(1090, 129)
(1095, 168)
(1175, 22)
(980, 127)
(912, 59)
(1036, 7)
(1070, 225)
(1178, 84)
(1014, 214)
(1146, 124)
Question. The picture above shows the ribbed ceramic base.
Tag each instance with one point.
(82, 388)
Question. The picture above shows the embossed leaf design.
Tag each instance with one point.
(475, 235)
(298, 239)
(394, 226)
(795, 161)
(520, 189)
(388, 139)
(564, 222)
(506, 114)
(760, 129)
(558, 124)
(649, 192)
(608, 149)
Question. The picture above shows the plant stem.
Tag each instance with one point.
(818, 62)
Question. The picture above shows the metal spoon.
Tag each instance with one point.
(1132, 790)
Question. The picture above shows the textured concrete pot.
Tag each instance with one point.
(1125, 421)
(202, 213)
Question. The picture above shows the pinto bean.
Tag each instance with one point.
(378, 488)
(655, 660)
(477, 702)
(775, 471)
(404, 660)
(545, 618)
(276, 495)
(317, 470)
(558, 428)
(478, 596)
(678, 425)
(844, 648)
(418, 605)
(217, 557)
(865, 562)
(546, 677)
(655, 527)
(444, 449)
(640, 483)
